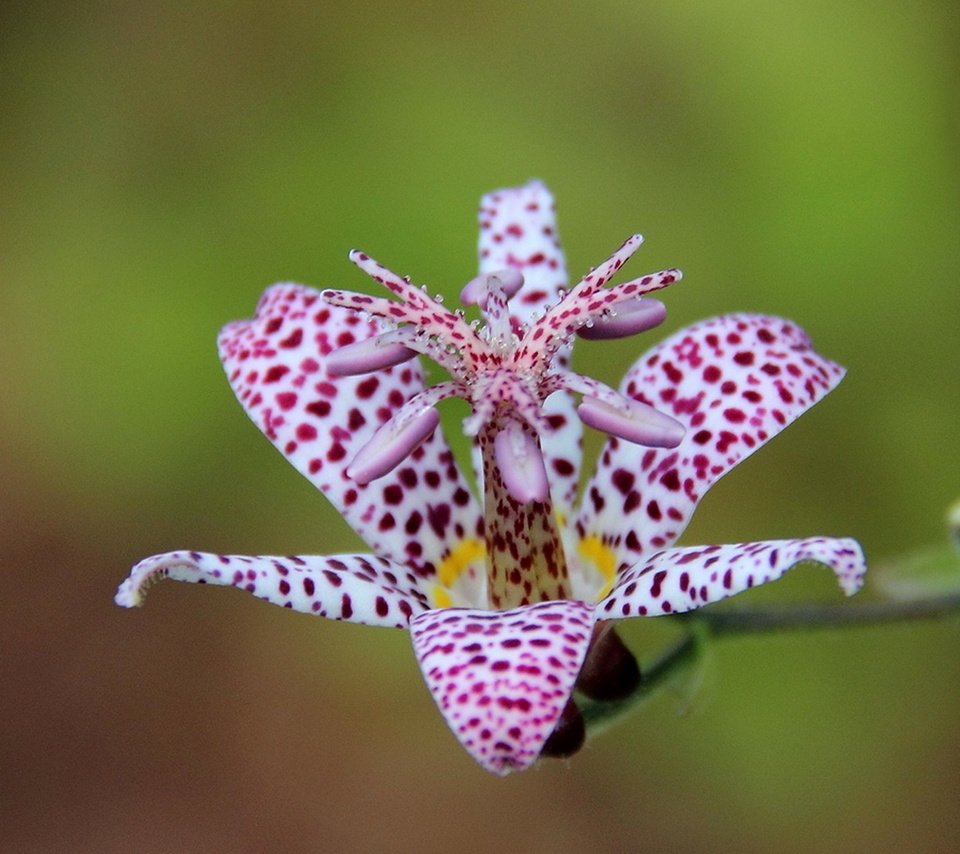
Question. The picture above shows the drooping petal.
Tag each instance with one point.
(502, 678)
(518, 229)
(415, 515)
(383, 453)
(371, 354)
(630, 318)
(675, 580)
(521, 464)
(635, 422)
(356, 588)
(734, 382)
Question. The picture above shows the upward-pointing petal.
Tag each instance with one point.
(518, 230)
(733, 382)
(276, 364)
(502, 678)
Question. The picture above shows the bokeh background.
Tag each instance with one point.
(163, 162)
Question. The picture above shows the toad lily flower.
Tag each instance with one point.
(509, 601)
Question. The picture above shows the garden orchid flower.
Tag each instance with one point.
(509, 597)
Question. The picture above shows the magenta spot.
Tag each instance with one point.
(656, 587)
(293, 339)
(673, 373)
(725, 441)
(320, 408)
(623, 480)
(355, 420)
(306, 432)
(366, 389)
(275, 373)
(671, 480)
(711, 374)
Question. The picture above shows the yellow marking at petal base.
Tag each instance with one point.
(453, 565)
(592, 548)
(441, 597)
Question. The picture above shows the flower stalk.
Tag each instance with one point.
(704, 627)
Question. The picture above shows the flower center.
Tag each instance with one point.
(505, 370)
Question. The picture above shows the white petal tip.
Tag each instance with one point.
(128, 596)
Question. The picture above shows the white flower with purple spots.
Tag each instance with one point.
(509, 601)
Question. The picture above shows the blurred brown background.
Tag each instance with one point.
(160, 164)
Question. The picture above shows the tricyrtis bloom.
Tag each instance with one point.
(508, 598)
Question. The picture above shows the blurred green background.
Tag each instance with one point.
(162, 163)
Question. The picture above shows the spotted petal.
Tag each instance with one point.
(676, 580)
(502, 678)
(276, 365)
(356, 588)
(518, 230)
(734, 382)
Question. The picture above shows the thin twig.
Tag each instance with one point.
(747, 620)
(705, 623)
(597, 714)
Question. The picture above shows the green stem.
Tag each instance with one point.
(707, 623)
(750, 620)
(598, 715)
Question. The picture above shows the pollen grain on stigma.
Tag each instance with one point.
(505, 369)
